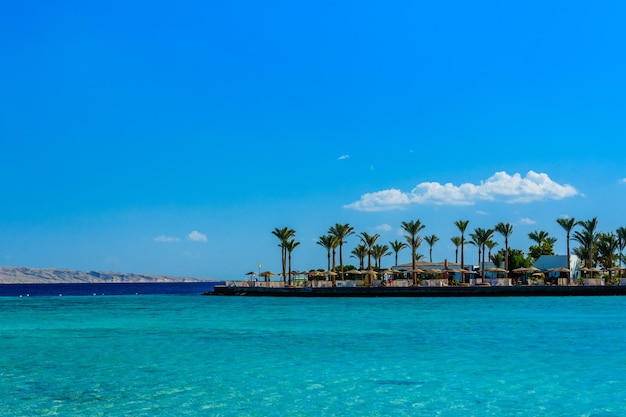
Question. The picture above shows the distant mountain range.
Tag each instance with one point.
(22, 275)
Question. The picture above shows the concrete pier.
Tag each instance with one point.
(452, 291)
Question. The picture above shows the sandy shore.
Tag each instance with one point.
(23, 275)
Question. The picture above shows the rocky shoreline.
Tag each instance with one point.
(24, 275)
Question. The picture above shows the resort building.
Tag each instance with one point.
(555, 267)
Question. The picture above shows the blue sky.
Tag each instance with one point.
(172, 137)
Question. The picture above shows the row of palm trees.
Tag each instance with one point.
(594, 246)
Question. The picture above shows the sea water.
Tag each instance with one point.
(193, 355)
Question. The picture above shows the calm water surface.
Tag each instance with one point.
(173, 355)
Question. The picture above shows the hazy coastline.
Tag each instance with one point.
(24, 275)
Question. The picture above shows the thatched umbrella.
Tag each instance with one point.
(592, 270)
(267, 275)
(369, 275)
(496, 270)
(525, 271)
(329, 274)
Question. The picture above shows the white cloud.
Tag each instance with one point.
(499, 187)
(381, 200)
(197, 236)
(623, 180)
(526, 220)
(383, 227)
(166, 239)
(342, 157)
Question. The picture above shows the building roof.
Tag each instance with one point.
(545, 262)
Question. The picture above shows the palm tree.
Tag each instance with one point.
(539, 237)
(607, 244)
(326, 241)
(431, 240)
(567, 225)
(621, 236)
(412, 228)
(482, 237)
(580, 252)
(505, 229)
(497, 259)
(462, 226)
(474, 240)
(283, 236)
(544, 246)
(378, 251)
(341, 232)
(587, 237)
(290, 246)
(335, 246)
(369, 241)
(360, 252)
(456, 241)
(397, 246)
(490, 245)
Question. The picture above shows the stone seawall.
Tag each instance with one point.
(478, 291)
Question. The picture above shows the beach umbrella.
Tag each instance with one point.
(528, 270)
(267, 275)
(496, 270)
(615, 269)
(369, 273)
(525, 270)
(591, 270)
(354, 273)
(561, 269)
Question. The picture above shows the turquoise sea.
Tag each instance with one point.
(193, 355)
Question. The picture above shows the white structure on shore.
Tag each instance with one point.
(552, 262)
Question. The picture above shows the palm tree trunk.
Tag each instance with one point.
(413, 256)
(463, 259)
(289, 268)
(284, 263)
(329, 260)
(569, 273)
(340, 261)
